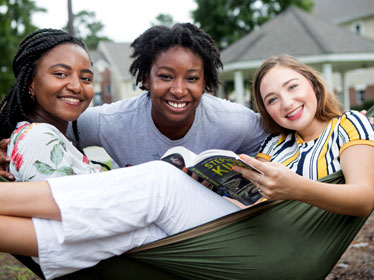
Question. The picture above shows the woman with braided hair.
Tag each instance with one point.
(53, 86)
(147, 202)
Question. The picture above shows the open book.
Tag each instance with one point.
(215, 166)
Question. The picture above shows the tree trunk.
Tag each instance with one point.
(70, 18)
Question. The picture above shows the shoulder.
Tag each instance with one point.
(223, 109)
(119, 107)
(35, 136)
(219, 104)
(34, 130)
(355, 122)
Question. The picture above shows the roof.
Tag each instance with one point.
(96, 56)
(340, 11)
(297, 33)
(118, 56)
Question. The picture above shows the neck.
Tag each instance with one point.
(174, 132)
(314, 130)
(61, 125)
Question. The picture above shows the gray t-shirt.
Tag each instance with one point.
(125, 129)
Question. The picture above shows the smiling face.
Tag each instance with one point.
(62, 85)
(176, 83)
(290, 100)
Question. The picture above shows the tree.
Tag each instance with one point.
(70, 25)
(15, 24)
(164, 19)
(228, 20)
(88, 28)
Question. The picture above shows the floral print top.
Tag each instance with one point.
(39, 151)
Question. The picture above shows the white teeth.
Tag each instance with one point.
(295, 112)
(70, 99)
(177, 105)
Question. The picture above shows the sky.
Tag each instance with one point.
(124, 20)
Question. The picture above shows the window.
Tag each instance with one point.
(360, 96)
(357, 28)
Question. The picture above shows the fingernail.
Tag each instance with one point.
(10, 177)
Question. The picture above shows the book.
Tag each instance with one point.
(215, 166)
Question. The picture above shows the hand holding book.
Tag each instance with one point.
(215, 166)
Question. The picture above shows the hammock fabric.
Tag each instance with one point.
(271, 240)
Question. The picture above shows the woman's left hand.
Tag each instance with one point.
(277, 181)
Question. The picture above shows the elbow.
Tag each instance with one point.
(365, 210)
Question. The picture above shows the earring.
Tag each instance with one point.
(32, 96)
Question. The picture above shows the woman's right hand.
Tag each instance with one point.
(4, 160)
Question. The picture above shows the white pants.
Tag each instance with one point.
(108, 213)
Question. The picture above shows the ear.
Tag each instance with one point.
(31, 89)
(146, 82)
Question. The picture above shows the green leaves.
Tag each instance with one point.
(56, 157)
(43, 168)
(57, 154)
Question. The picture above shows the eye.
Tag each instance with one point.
(86, 79)
(193, 79)
(271, 100)
(165, 77)
(293, 86)
(60, 74)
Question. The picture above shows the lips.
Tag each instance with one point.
(71, 100)
(177, 105)
(295, 113)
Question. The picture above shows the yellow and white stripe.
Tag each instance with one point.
(321, 156)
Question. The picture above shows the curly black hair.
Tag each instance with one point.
(160, 38)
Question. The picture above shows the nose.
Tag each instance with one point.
(287, 101)
(74, 84)
(178, 88)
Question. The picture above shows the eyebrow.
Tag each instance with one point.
(284, 84)
(172, 69)
(69, 68)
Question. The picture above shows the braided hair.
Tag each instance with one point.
(18, 103)
(160, 38)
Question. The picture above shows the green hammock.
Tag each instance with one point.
(271, 240)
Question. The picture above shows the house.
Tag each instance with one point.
(358, 17)
(327, 47)
(102, 79)
(113, 81)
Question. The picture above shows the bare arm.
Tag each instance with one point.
(4, 160)
(355, 198)
(17, 236)
(28, 199)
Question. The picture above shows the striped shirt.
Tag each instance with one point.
(321, 156)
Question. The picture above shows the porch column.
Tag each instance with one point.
(327, 74)
(239, 86)
(220, 90)
(345, 91)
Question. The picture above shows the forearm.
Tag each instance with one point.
(17, 236)
(347, 199)
(28, 199)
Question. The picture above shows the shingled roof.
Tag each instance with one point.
(297, 33)
(118, 55)
(340, 11)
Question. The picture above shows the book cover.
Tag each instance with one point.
(215, 166)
